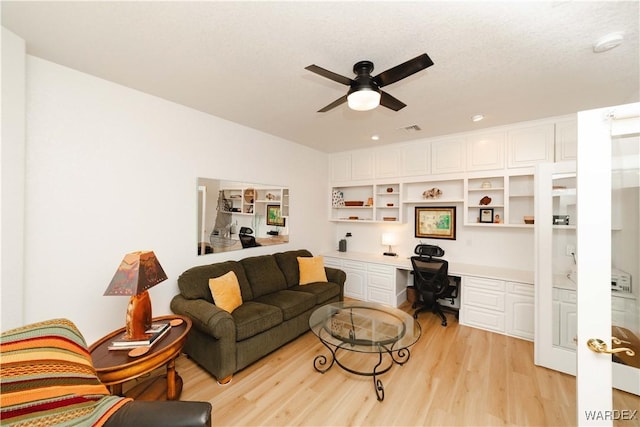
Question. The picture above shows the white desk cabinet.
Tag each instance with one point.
(565, 315)
(356, 283)
(381, 284)
(483, 303)
(498, 306)
(494, 299)
(520, 310)
(367, 281)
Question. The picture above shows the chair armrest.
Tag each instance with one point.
(140, 413)
(206, 317)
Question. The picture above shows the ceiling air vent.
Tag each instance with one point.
(412, 128)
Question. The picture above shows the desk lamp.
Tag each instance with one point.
(138, 272)
(389, 239)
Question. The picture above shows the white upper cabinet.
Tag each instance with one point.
(485, 151)
(448, 155)
(529, 146)
(388, 163)
(340, 167)
(345, 167)
(362, 165)
(567, 140)
(416, 159)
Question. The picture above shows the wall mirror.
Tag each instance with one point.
(235, 215)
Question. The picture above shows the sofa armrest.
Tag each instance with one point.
(205, 316)
(335, 275)
(140, 413)
(338, 277)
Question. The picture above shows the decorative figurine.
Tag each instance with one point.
(485, 200)
(433, 193)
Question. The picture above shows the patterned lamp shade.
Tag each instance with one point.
(138, 272)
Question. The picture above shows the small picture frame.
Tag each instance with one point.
(486, 215)
(273, 216)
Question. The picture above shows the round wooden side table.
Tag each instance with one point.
(115, 367)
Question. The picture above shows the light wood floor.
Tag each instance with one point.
(457, 376)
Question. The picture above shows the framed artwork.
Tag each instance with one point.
(436, 222)
(273, 216)
(486, 215)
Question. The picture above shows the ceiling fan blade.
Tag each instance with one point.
(391, 102)
(334, 104)
(329, 74)
(403, 70)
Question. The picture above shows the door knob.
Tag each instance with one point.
(598, 346)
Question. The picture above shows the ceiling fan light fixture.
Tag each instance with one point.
(363, 99)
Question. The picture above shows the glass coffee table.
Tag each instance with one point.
(364, 327)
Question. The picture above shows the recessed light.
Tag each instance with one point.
(608, 42)
(375, 137)
(477, 117)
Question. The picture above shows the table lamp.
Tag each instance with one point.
(138, 272)
(389, 239)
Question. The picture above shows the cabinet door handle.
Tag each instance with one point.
(598, 346)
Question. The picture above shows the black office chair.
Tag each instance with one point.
(246, 238)
(431, 280)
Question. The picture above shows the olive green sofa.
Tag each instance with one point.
(275, 309)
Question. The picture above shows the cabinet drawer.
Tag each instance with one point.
(354, 265)
(484, 319)
(382, 296)
(483, 298)
(332, 262)
(380, 269)
(622, 304)
(479, 282)
(566, 295)
(520, 288)
(381, 282)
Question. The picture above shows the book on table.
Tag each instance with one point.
(154, 333)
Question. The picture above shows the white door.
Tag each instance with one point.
(600, 132)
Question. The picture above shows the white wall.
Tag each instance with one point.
(111, 170)
(12, 158)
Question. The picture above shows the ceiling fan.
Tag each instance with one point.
(364, 91)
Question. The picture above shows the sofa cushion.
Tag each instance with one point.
(312, 270)
(194, 283)
(264, 275)
(290, 302)
(252, 317)
(323, 291)
(288, 263)
(226, 291)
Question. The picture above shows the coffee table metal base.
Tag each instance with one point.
(399, 357)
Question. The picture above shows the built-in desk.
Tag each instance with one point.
(492, 298)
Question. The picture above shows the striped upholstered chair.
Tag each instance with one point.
(47, 378)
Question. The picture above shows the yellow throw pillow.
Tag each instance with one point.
(311, 270)
(226, 291)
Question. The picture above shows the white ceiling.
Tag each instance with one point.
(244, 61)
